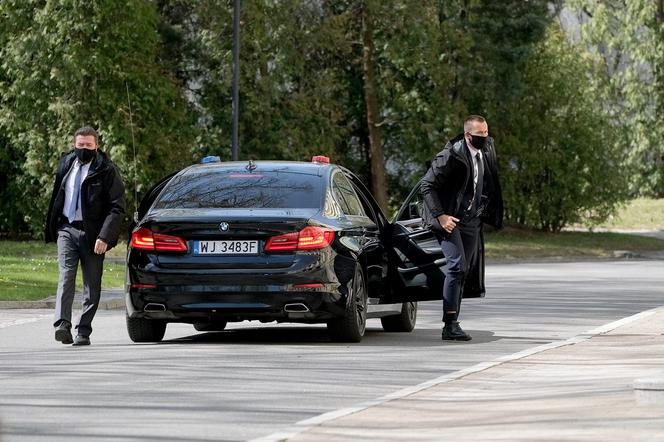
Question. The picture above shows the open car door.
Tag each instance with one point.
(147, 200)
(415, 258)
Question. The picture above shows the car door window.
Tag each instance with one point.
(345, 196)
(366, 205)
(370, 205)
(410, 214)
(413, 209)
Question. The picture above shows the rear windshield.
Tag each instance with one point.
(224, 189)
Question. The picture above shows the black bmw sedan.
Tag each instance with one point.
(275, 241)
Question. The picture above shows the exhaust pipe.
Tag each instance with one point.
(154, 307)
(296, 307)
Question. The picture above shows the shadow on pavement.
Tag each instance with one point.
(310, 335)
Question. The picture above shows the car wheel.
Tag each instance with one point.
(351, 327)
(210, 326)
(145, 330)
(404, 321)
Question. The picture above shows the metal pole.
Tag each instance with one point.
(236, 78)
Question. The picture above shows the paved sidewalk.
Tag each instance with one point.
(581, 389)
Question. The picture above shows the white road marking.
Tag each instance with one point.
(306, 424)
(11, 321)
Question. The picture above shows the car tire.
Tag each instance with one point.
(210, 326)
(145, 330)
(351, 327)
(404, 322)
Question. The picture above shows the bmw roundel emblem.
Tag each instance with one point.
(223, 226)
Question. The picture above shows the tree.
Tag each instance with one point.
(564, 166)
(66, 63)
(291, 100)
(628, 38)
(378, 183)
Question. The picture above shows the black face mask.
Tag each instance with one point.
(85, 155)
(478, 142)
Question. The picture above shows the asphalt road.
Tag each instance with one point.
(255, 379)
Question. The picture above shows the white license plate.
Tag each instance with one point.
(237, 247)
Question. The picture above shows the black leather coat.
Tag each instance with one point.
(102, 200)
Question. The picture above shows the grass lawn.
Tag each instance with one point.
(528, 245)
(29, 270)
(638, 214)
(641, 213)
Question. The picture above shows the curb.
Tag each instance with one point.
(115, 303)
(307, 424)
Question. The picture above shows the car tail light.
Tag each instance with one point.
(143, 286)
(309, 238)
(312, 238)
(146, 239)
(282, 243)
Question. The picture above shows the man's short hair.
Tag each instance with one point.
(470, 119)
(87, 131)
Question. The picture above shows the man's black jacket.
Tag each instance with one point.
(443, 187)
(449, 177)
(102, 200)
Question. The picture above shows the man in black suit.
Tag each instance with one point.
(461, 190)
(84, 217)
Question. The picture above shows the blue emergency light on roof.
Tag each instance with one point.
(210, 159)
(320, 159)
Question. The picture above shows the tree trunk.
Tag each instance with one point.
(378, 182)
(659, 87)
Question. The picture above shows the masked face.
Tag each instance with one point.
(86, 148)
(478, 142)
(85, 155)
(478, 135)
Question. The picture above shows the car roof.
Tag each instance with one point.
(310, 168)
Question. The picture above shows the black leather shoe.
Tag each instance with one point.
(63, 333)
(453, 332)
(81, 340)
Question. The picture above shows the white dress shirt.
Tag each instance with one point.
(473, 154)
(69, 188)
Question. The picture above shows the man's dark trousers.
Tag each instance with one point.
(72, 247)
(459, 248)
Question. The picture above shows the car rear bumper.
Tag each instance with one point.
(269, 303)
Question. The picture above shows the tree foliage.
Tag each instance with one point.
(627, 36)
(564, 166)
(308, 86)
(66, 63)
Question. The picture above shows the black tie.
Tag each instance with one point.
(480, 181)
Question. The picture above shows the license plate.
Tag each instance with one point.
(237, 247)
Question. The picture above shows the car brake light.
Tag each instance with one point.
(142, 239)
(282, 243)
(314, 238)
(143, 286)
(309, 238)
(145, 239)
(320, 159)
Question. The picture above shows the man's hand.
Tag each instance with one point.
(447, 222)
(100, 247)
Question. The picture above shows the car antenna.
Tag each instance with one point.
(251, 166)
(133, 146)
